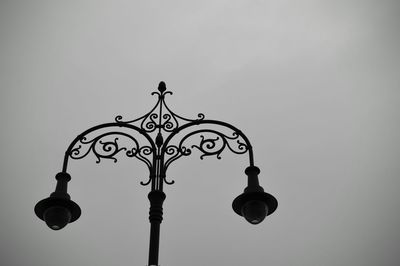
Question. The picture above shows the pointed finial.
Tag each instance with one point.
(162, 87)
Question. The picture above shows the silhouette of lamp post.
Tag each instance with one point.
(106, 141)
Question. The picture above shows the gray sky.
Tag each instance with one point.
(313, 84)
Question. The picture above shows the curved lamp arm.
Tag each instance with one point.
(207, 145)
(110, 148)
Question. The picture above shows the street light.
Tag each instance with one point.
(108, 140)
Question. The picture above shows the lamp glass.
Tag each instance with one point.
(254, 211)
(57, 217)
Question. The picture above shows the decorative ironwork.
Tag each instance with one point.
(158, 154)
(208, 146)
(160, 116)
(104, 147)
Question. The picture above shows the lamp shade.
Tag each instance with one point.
(57, 212)
(254, 206)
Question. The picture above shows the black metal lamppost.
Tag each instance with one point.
(105, 141)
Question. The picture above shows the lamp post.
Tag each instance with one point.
(166, 136)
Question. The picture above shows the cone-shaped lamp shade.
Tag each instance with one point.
(57, 212)
(254, 206)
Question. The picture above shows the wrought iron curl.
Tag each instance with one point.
(155, 119)
(176, 118)
(105, 148)
(168, 125)
(147, 182)
(208, 146)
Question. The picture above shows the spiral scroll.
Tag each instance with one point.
(212, 145)
(105, 147)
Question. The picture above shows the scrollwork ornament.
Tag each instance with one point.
(105, 148)
(212, 145)
(207, 147)
(153, 120)
(159, 126)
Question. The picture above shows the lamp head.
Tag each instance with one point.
(254, 204)
(57, 212)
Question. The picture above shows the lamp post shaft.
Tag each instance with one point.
(154, 243)
(156, 198)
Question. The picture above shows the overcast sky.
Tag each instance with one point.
(313, 84)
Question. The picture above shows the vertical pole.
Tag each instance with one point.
(156, 198)
(154, 243)
(156, 195)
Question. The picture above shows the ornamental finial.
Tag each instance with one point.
(162, 87)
